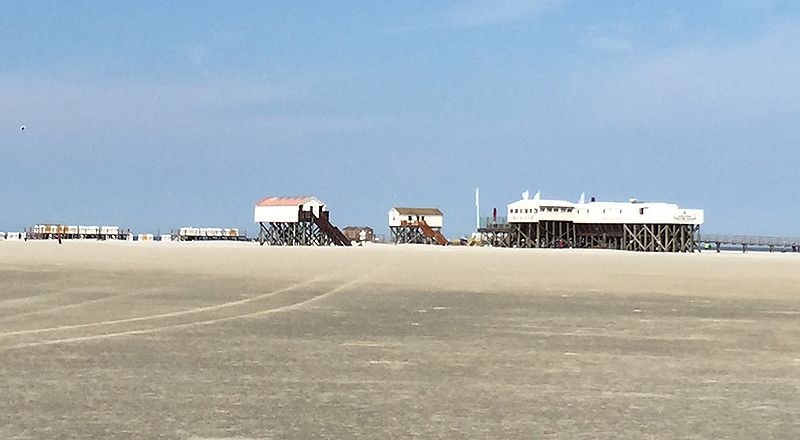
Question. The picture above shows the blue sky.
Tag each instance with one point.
(155, 116)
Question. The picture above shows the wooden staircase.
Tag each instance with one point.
(336, 235)
(429, 232)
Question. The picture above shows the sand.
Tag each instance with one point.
(233, 340)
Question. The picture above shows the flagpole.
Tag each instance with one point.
(477, 209)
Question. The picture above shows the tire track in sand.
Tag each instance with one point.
(286, 308)
(30, 299)
(160, 315)
(62, 307)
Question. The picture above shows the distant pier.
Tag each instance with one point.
(748, 242)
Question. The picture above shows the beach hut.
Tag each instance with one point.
(417, 225)
(296, 221)
(359, 233)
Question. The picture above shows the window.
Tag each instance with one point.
(410, 218)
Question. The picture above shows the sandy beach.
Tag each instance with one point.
(233, 340)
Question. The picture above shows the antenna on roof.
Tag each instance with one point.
(582, 198)
(537, 196)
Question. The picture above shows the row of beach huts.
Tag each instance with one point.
(78, 232)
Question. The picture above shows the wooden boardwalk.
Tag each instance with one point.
(750, 241)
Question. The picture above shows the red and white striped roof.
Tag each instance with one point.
(286, 201)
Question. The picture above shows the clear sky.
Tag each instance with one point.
(166, 114)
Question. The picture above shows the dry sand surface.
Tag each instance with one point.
(199, 341)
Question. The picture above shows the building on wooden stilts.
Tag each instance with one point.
(633, 225)
(296, 221)
(638, 226)
(495, 234)
(539, 223)
(417, 225)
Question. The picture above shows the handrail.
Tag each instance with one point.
(752, 240)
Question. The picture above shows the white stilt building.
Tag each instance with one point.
(417, 225)
(296, 221)
(632, 225)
